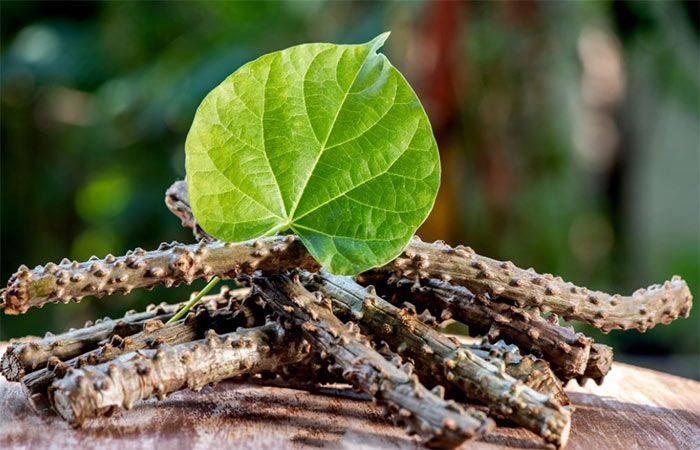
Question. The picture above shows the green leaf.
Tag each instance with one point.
(327, 140)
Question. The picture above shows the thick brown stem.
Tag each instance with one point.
(21, 358)
(170, 265)
(95, 390)
(566, 350)
(218, 312)
(599, 364)
(532, 371)
(178, 202)
(440, 358)
(313, 375)
(461, 265)
(448, 301)
(441, 423)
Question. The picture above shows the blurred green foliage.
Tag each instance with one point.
(568, 132)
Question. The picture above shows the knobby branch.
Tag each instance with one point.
(297, 325)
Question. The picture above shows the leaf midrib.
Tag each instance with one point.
(264, 144)
(290, 216)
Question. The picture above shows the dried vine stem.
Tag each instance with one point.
(532, 371)
(441, 423)
(21, 358)
(599, 364)
(461, 265)
(448, 301)
(218, 312)
(440, 358)
(95, 390)
(170, 265)
(312, 375)
(565, 350)
(178, 202)
(24, 357)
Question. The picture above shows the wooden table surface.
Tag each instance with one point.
(634, 409)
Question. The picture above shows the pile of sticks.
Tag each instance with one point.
(295, 322)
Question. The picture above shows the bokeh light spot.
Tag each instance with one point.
(94, 241)
(104, 198)
(37, 44)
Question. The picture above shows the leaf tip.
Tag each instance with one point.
(376, 43)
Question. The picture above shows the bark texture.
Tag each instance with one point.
(461, 265)
(21, 358)
(532, 371)
(565, 350)
(437, 357)
(217, 312)
(178, 202)
(311, 375)
(169, 265)
(96, 390)
(599, 364)
(642, 310)
(440, 423)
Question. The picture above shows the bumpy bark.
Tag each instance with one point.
(532, 371)
(439, 358)
(222, 313)
(21, 358)
(95, 390)
(177, 200)
(475, 310)
(170, 265)
(599, 364)
(312, 375)
(441, 423)
(565, 350)
(461, 265)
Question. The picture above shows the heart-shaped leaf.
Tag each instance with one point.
(327, 140)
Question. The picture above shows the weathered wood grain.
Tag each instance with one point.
(634, 409)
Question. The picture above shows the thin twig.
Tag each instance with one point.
(193, 301)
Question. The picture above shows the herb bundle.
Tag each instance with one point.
(329, 144)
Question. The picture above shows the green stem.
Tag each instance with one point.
(194, 301)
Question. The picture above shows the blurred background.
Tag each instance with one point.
(568, 131)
